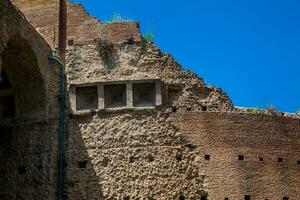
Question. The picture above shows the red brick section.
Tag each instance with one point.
(43, 15)
(119, 32)
(82, 29)
(260, 139)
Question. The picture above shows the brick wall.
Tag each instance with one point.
(82, 29)
(261, 139)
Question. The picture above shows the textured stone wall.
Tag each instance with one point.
(130, 155)
(142, 60)
(28, 161)
(261, 139)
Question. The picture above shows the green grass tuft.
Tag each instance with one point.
(149, 37)
(116, 17)
(253, 110)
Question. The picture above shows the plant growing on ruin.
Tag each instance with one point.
(271, 109)
(116, 17)
(253, 110)
(298, 112)
(149, 37)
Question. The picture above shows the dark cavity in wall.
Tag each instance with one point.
(87, 98)
(179, 156)
(143, 94)
(82, 164)
(241, 157)
(247, 197)
(203, 197)
(115, 95)
(207, 157)
(181, 196)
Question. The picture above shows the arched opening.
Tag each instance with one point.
(22, 98)
(22, 90)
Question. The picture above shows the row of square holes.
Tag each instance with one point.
(83, 164)
(115, 96)
(248, 197)
(241, 157)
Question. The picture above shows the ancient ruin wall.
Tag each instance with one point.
(130, 155)
(105, 61)
(28, 140)
(117, 49)
(262, 139)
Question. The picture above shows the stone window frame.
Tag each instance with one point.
(129, 94)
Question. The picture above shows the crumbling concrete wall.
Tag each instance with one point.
(261, 139)
(130, 155)
(142, 60)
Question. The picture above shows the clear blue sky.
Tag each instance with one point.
(250, 48)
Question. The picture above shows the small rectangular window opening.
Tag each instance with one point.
(82, 164)
(261, 159)
(203, 197)
(115, 95)
(280, 160)
(207, 157)
(87, 98)
(241, 157)
(286, 198)
(247, 197)
(226, 198)
(143, 94)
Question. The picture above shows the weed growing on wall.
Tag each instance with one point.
(117, 17)
(253, 110)
(149, 37)
(271, 109)
(107, 53)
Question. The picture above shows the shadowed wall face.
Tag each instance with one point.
(29, 89)
(23, 82)
(7, 104)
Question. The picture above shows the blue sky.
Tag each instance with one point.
(250, 48)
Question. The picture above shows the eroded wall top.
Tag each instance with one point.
(82, 28)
